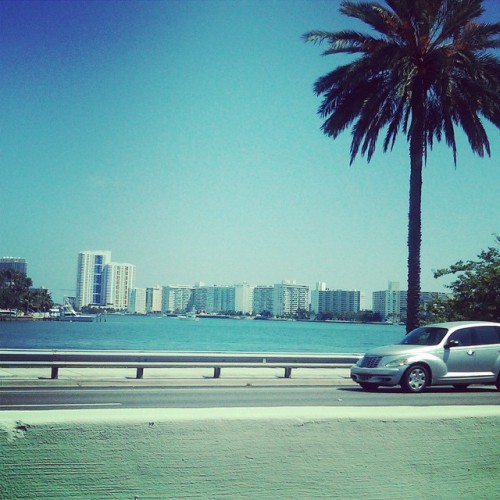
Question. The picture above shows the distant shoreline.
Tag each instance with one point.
(218, 316)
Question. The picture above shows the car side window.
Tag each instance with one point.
(463, 336)
(487, 335)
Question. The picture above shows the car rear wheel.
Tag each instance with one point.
(367, 386)
(415, 379)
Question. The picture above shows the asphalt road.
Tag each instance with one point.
(45, 398)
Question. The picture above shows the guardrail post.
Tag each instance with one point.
(54, 372)
(217, 372)
(140, 373)
(288, 372)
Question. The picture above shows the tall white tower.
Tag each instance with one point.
(90, 286)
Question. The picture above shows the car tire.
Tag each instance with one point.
(368, 386)
(415, 379)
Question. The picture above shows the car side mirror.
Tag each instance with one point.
(451, 343)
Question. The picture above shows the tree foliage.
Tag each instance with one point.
(16, 293)
(475, 290)
(14, 289)
(425, 68)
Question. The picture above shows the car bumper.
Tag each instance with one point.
(378, 376)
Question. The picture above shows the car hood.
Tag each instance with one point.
(400, 350)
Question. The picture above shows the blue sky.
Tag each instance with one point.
(183, 137)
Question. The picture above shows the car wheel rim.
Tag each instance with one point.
(416, 380)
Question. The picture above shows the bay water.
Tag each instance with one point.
(160, 333)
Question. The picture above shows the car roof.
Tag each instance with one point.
(455, 324)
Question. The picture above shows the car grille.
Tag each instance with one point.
(370, 361)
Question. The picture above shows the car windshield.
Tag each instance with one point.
(425, 336)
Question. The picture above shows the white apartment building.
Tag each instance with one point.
(288, 298)
(119, 279)
(213, 298)
(320, 301)
(90, 285)
(137, 301)
(176, 298)
(336, 302)
(388, 302)
(154, 299)
(392, 303)
(243, 298)
(263, 299)
(220, 299)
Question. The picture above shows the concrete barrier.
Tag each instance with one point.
(252, 453)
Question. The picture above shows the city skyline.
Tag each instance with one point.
(184, 135)
(102, 282)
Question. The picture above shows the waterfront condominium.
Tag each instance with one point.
(391, 304)
(263, 299)
(90, 286)
(176, 298)
(337, 302)
(289, 298)
(119, 279)
(137, 301)
(153, 299)
(243, 298)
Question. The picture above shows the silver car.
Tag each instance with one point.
(457, 354)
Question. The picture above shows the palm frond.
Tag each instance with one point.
(455, 15)
(429, 53)
(373, 14)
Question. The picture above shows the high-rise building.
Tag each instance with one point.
(220, 298)
(119, 279)
(243, 298)
(388, 302)
(289, 298)
(90, 286)
(213, 298)
(176, 298)
(137, 301)
(321, 300)
(15, 263)
(263, 299)
(336, 302)
(200, 297)
(154, 299)
(392, 303)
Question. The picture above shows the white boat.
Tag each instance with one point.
(67, 313)
(189, 316)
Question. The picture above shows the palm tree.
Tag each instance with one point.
(424, 70)
(40, 300)
(14, 288)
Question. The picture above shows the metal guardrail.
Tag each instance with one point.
(56, 359)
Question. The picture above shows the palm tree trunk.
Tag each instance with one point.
(415, 218)
(414, 243)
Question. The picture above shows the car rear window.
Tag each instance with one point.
(488, 335)
(425, 335)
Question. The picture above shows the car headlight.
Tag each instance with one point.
(397, 362)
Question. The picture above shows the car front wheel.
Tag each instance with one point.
(415, 379)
